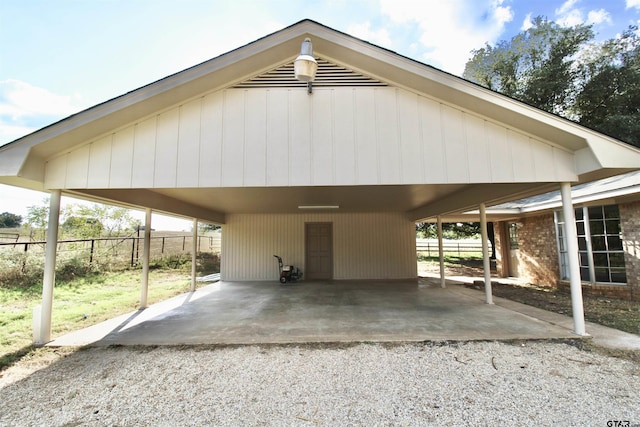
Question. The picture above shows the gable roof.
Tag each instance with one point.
(344, 59)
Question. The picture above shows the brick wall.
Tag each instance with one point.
(538, 252)
(630, 227)
(498, 228)
(538, 257)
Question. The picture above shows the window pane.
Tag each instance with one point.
(582, 243)
(584, 274)
(597, 243)
(613, 226)
(602, 274)
(561, 245)
(596, 227)
(600, 260)
(611, 211)
(579, 213)
(580, 227)
(615, 243)
(584, 259)
(595, 212)
(616, 259)
(618, 276)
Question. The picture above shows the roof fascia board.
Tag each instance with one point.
(584, 199)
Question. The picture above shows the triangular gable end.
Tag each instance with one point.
(329, 74)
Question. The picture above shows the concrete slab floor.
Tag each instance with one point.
(264, 312)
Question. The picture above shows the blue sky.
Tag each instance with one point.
(60, 57)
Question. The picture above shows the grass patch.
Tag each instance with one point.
(615, 313)
(78, 303)
(453, 260)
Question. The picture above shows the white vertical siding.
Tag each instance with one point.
(345, 158)
(322, 163)
(520, 156)
(432, 140)
(499, 153)
(210, 157)
(366, 138)
(286, 137)
(411, 146)
(277, 134)
(386, 125)
(77, 168)
(144, 153)
(121, 159)
(299, 138)
(189, 144)
(477, 150)
(255, 168)
(456, 151)
(100, 163)
(166, 159)
(233, 130)
(365, 246)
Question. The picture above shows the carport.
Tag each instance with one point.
(331, 175)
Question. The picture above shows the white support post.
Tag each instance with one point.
(43, 336)
(485, 254)
(441, 253)
(194, 250)
(146, 254)
(574, 263)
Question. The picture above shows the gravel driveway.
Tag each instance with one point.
(472, 383)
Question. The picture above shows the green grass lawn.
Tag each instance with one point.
(77, 304)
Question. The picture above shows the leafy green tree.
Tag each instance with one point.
(457, 230)
(37, 219)
(609, 98)
(204, 227)
(82, 221)
(536, 66)
(561, 70)
(96, 220)
(454, 230)
(9, 220)
(82, 226)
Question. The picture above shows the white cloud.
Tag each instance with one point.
(570, 18)
(19, 99)
(450, 30)
(633, 3)
(25, 108)
(569, 15)
(526, 23)
(566, 7)
(598, 17)
(363, 31)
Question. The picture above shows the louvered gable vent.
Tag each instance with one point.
(329, 74)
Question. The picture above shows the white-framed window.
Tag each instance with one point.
(600, 250)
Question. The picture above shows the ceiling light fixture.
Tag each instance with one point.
(318, 207)
(305, 65)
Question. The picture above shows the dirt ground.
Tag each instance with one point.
(612, 312)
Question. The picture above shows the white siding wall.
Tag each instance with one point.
(365, 246)
(285, 137)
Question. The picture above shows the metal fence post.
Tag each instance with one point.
(93, 241)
